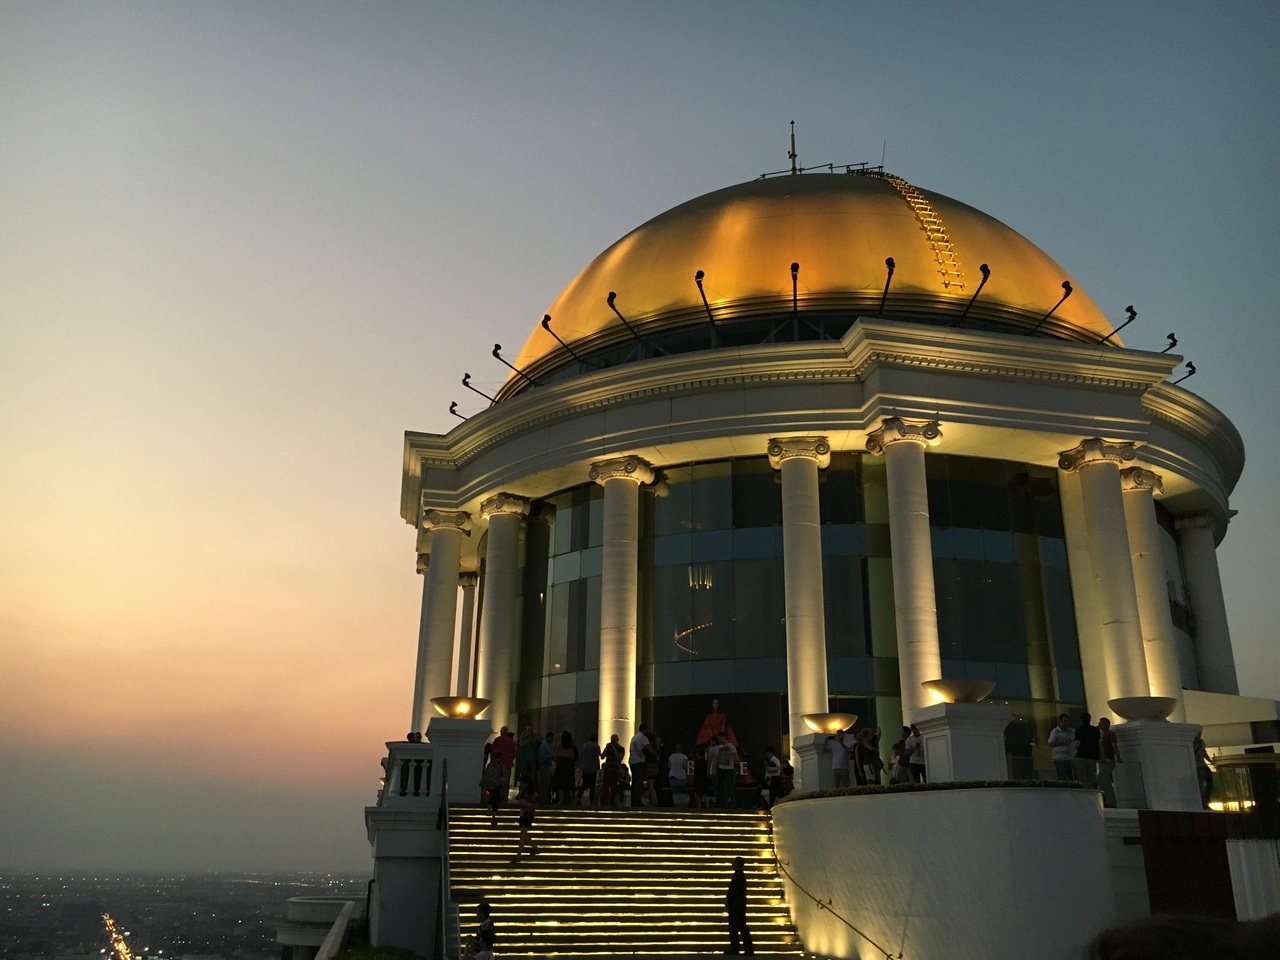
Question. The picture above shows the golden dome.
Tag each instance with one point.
(839, 228)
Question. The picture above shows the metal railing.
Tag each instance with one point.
(826, 905)
(446, 910)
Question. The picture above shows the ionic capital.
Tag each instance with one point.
(458, 520)
(468, 580)
(507, 503)
(1140, 478)
(810, 448)
(626, 468)
(895, 429)
(1096, 450)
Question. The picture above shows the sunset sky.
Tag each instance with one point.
(245, 246)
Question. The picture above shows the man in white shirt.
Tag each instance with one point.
(676, 773)
(914, 745)
(839, 760)
(638, 759)
(722, 760)
(1062, 740)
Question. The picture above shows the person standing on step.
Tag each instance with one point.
(589, 764)
(611, 771)
(493, 784)
(482, 943)
(546, 765)
(677, 773)
(526, 756)
(504, 745)
(722, 757)
(735, 902)
(527, 797)
(641, 754)
(566, 762)
(840, 752)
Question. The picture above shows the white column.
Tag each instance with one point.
(1160, 648)
(619, 592)
(914, 600)
(498, 616)
(1214, 659)
(1098, 464)
(799, 459)
(464, 660)
(444, 530)
(1084, 602)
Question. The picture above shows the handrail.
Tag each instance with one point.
(335, 940)
(826, 905)
(443, 825)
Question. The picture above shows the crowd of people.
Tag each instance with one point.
(1088, 754)
(643, 772)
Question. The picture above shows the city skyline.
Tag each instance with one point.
(245, 249)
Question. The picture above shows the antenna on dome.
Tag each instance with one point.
(1191, 372)
(466, 382)
(1173, 342)
(793, 156)
(1133, 315)
(639, 339)
(546, 325)
(986, 275)
(889, 266)
(453, 408)
(697, 278)
(795, 302)
(1066, 292)
(498, 356)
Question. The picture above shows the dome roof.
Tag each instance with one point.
(839, 228)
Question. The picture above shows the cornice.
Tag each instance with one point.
(1204, 423)
(871, 343)
(869, 346)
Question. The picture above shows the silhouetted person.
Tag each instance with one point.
(735, 902)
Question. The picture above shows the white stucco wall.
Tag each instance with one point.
(988, 873)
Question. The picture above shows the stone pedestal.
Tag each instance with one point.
(813, 762)
(459, 743)
(405, 836)
(1158, 771)
(964, 741)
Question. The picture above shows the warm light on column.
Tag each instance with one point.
(619, 591)
(496, 640)
(1164, 673)
(1097, 462)
(444, 529)
(915, 602)
(798, 460)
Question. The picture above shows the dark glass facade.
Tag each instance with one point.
(712, 604)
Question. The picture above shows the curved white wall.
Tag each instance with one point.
(984, 873)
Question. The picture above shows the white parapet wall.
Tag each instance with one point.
(982, 873)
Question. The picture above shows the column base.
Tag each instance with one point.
(1158, 771)
(460, 743)
(964, 741)
(813, 772)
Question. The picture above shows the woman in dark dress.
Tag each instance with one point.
(566, 763)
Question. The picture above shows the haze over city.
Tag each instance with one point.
(245, 247)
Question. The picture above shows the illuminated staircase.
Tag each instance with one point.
(619, 882)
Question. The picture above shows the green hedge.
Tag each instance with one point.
(883, 788)
(366, 952)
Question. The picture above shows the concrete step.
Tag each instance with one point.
(633, 882)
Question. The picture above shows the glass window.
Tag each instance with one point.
(757, 497)
(759, 608)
